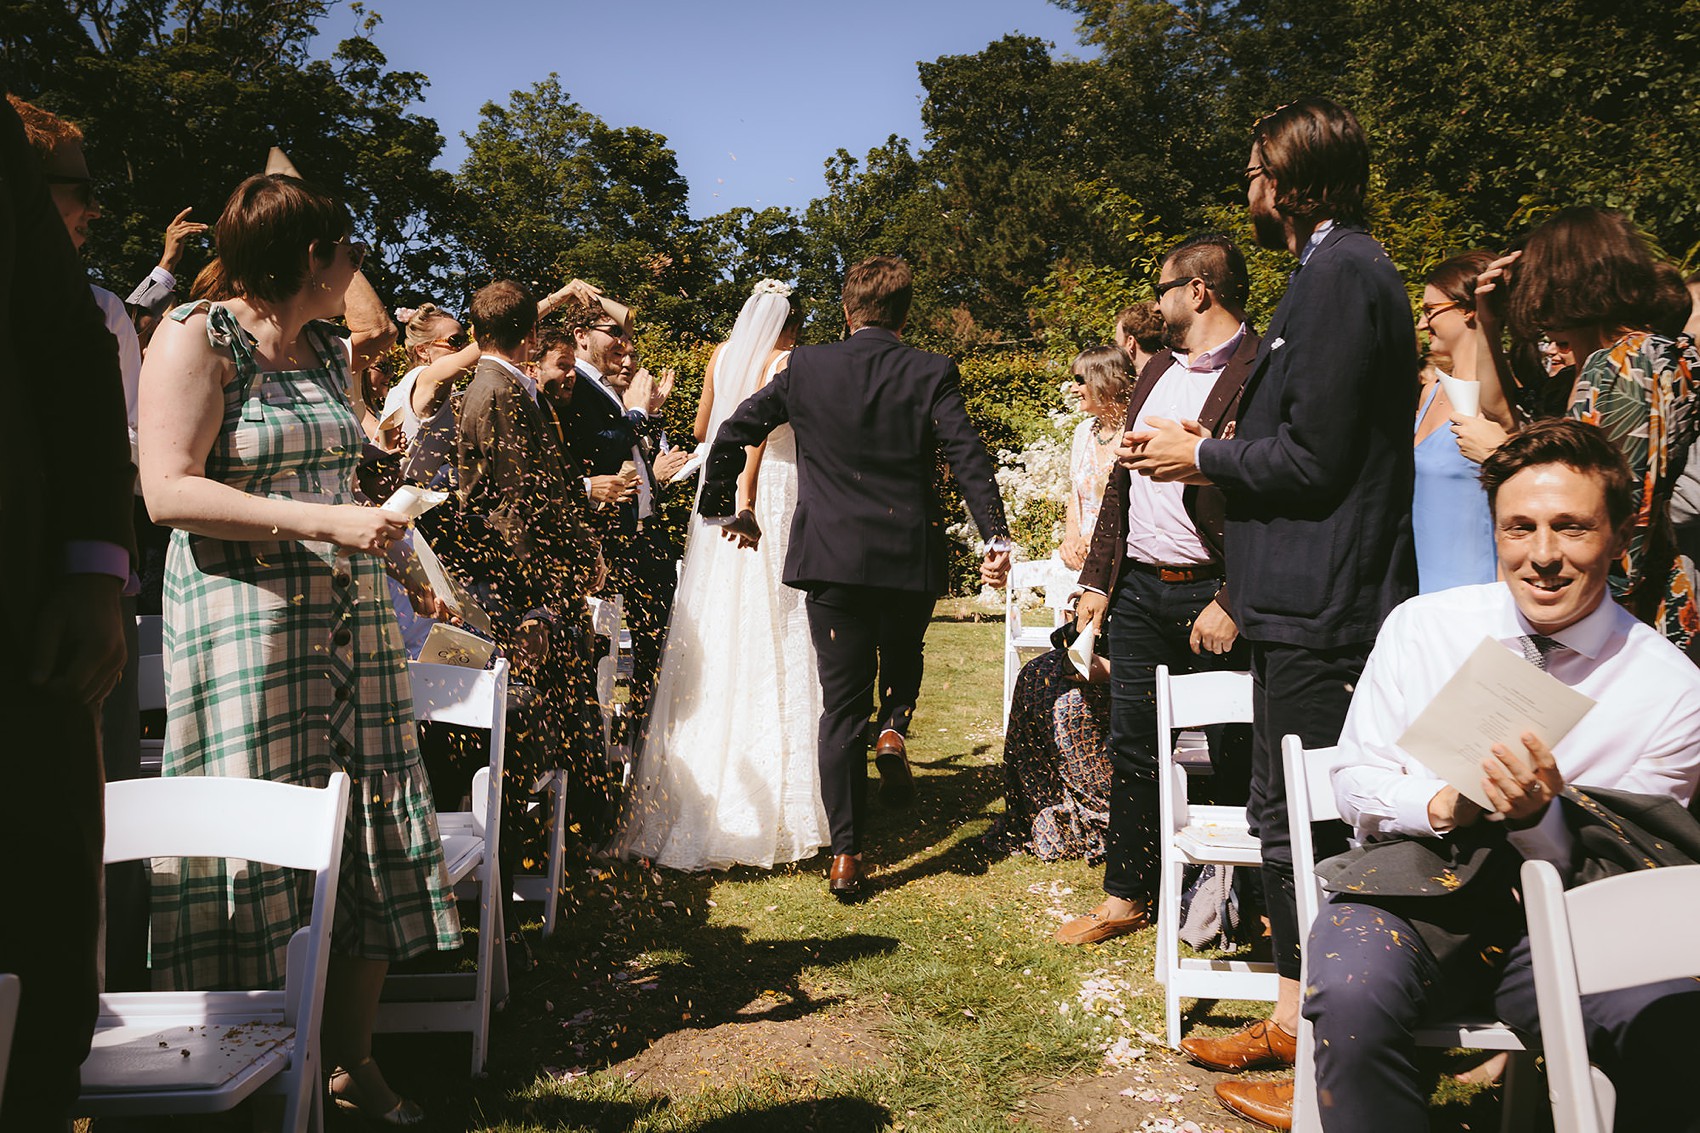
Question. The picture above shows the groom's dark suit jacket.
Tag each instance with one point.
(868, 413)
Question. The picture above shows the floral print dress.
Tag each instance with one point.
(1641, 391)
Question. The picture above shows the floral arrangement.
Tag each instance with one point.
(772, 287)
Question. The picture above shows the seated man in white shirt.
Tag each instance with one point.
(1561, 498)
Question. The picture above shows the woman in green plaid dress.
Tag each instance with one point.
(283, 657)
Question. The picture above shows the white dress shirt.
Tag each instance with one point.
(129, 356)
(1159, 530)
(645, 490)
(1643, 733)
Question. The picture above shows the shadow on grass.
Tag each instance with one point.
(819, 1115)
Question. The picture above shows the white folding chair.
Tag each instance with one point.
(9, 987)
(150, 682)
(1578, 947)
(1199, 835)
(1046, 575)
(461, 1002)
(160, 1053)
(1310, 798)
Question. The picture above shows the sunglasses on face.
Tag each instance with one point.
(453, 342)
(82, 188)
(612, 330)
(1430, 310)
(356, 251)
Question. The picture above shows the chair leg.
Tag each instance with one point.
(1522, 1094)
(1307, 1110)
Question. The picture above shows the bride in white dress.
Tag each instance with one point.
(728, 773)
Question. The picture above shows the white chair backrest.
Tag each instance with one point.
(9, 988)
(453, 694)
(1313, 789)
(206, 816)
(1666, 901)
(1194, 700)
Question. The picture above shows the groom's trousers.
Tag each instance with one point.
(862, 634)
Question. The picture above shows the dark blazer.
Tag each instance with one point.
(600, 436)
(58, 369)
(1204, 504)
(1318, 474)
(520, 511)
(868, 413)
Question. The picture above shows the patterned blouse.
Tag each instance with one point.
(1641, 390)
(1089, 467)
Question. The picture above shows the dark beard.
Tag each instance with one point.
(1270, 232)
(1174, 335)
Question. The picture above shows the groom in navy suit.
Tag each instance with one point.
(867, 540)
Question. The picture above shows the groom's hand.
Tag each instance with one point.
(994, 568)
(743, 529)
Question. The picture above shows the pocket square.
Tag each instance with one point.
(1277, 344)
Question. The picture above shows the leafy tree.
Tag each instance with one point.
(180, 99)
(549, 191)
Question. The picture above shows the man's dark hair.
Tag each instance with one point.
(555, 338)
(1574, 444)
(1586, 266)
(1213, 258)
(877, 293)
(266, 229)
(1671, 304)
(503, 313)
(1317, 154)
(1145, 325)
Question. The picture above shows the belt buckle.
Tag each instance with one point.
(1174, 574)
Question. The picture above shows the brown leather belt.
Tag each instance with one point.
(1191, 573)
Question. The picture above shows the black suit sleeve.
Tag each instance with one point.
(760, 414)
(1328, 355)
(969, 461)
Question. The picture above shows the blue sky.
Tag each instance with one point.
(752, 95)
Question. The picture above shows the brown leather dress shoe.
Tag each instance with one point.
(897, 781)
(844, 880)
(1267, 1103)
(1095, 926)
(1260, 1045)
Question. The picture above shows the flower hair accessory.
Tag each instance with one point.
(772, 287)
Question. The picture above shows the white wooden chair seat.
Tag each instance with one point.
(1199, 835)
(452, 1002)
(163, 1053)
(1310, 798)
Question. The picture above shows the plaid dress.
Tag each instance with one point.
(284, 661)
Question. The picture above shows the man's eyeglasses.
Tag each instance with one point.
(612, 330)
(83, 187)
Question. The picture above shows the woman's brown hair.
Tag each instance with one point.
(1103, 370)
(267, 229)
(1586, 266)
(1455, 277)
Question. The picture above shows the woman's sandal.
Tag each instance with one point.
(401, 1115)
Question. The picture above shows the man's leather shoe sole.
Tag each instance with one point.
(1092, 928)
(897, 781)
(1269, 1104)
(1260, 1046)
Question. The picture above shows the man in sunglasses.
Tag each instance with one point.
(615, 438)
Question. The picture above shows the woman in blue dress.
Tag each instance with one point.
(1449, 511)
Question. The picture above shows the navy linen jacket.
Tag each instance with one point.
(1318, 475)
(868, 414)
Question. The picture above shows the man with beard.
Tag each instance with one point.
(1318, 485)
(1156, 566)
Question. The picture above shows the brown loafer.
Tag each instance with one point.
(845, 879)
(1267, 1103)
(897, 781)
(1094, 926)
(1260, 1045)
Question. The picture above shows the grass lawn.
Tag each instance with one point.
(751, 1001)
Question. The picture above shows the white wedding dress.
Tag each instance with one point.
(728, 774)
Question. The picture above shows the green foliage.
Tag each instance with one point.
(179, 101)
